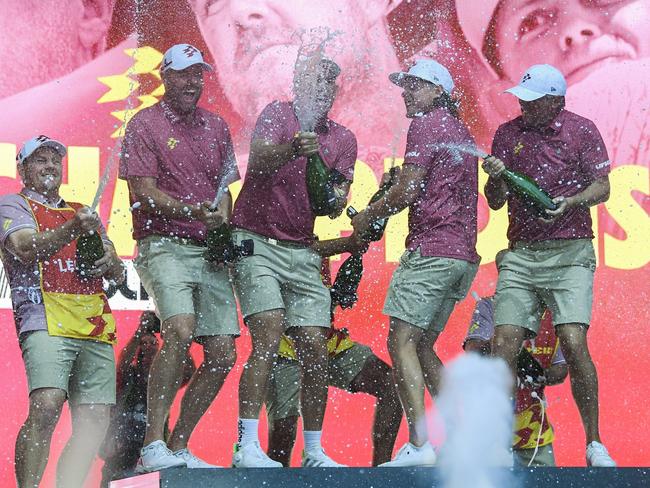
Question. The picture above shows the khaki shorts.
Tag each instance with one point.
(425, 289)
(84, 369)
(555, 274)
(282, 276)
(180, 281)
(283, 394)
(544, 456)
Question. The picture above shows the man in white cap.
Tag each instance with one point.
(550, 261)
(174, 157)
(65, 327)
(440, 188)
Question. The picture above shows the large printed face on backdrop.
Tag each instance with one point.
(41, 40)
(254, 44)
(576, 36)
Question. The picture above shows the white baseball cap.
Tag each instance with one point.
(36, 142)
(181, 56)
(427, 70)
(538, 81)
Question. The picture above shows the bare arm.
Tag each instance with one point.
(403, 193)
(30, 246)
(496, 190)
(594, 194)
(331, 247)
(479, 346)
(556, 373)
(153, 200)
(266, 157)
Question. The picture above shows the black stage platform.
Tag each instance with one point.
(383, 478)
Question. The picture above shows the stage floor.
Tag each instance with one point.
(383, 478)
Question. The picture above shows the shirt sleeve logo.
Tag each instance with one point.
(171, 143)
(518, 148)
(6, 224)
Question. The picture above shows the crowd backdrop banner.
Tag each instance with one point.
(90, 66)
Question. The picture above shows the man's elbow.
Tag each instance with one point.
(25, 253)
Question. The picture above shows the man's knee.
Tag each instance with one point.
(402, 335)
(573, 341)
(179, 330)
(45, 405)
(507, 341)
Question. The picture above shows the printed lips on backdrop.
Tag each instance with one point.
(87, 110)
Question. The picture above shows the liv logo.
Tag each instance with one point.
(518, 148)
(526, 78)
(171, 143)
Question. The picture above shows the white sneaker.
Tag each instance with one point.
(598, 457)
(316, 458)
(191, 461)
(157, 456)
(252, 456)
(409, 455)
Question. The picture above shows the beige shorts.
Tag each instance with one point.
(544, 456)
(283, 394)
(554, 274)
(282, 276)
(425, 289)
(84, 369)
(180, 281)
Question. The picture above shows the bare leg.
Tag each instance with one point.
(282, 437)
(584, 378)
(311, 347)
(506, 345)
(219, 357)
(430, 362)
(166, 373)
(402, 346)
(33, 441)
(266, 329)
(376, 378)
(89, 423)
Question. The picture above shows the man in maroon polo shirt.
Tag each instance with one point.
(175, 156)
(440, 188)
(550, 261)
(280, 284)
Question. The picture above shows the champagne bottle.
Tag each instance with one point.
(528, 366)
(529, 190)
(378, 227)
(320, 189)
(90, 248)
(344, 289)
(220, 246)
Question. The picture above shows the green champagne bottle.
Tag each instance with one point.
(90, 248)
(320, 189)
(528, 190)
(378, 227)
(220, 246)
(344, 289)
(527, 365)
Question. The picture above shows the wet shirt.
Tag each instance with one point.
(442, 221)
(563, 158)
(277, 205)
(546, 350)
(25, 279)
(188, 159)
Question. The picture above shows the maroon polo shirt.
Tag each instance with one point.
(187, 159)
(564, 158)
(277, 205)
(442, 221)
